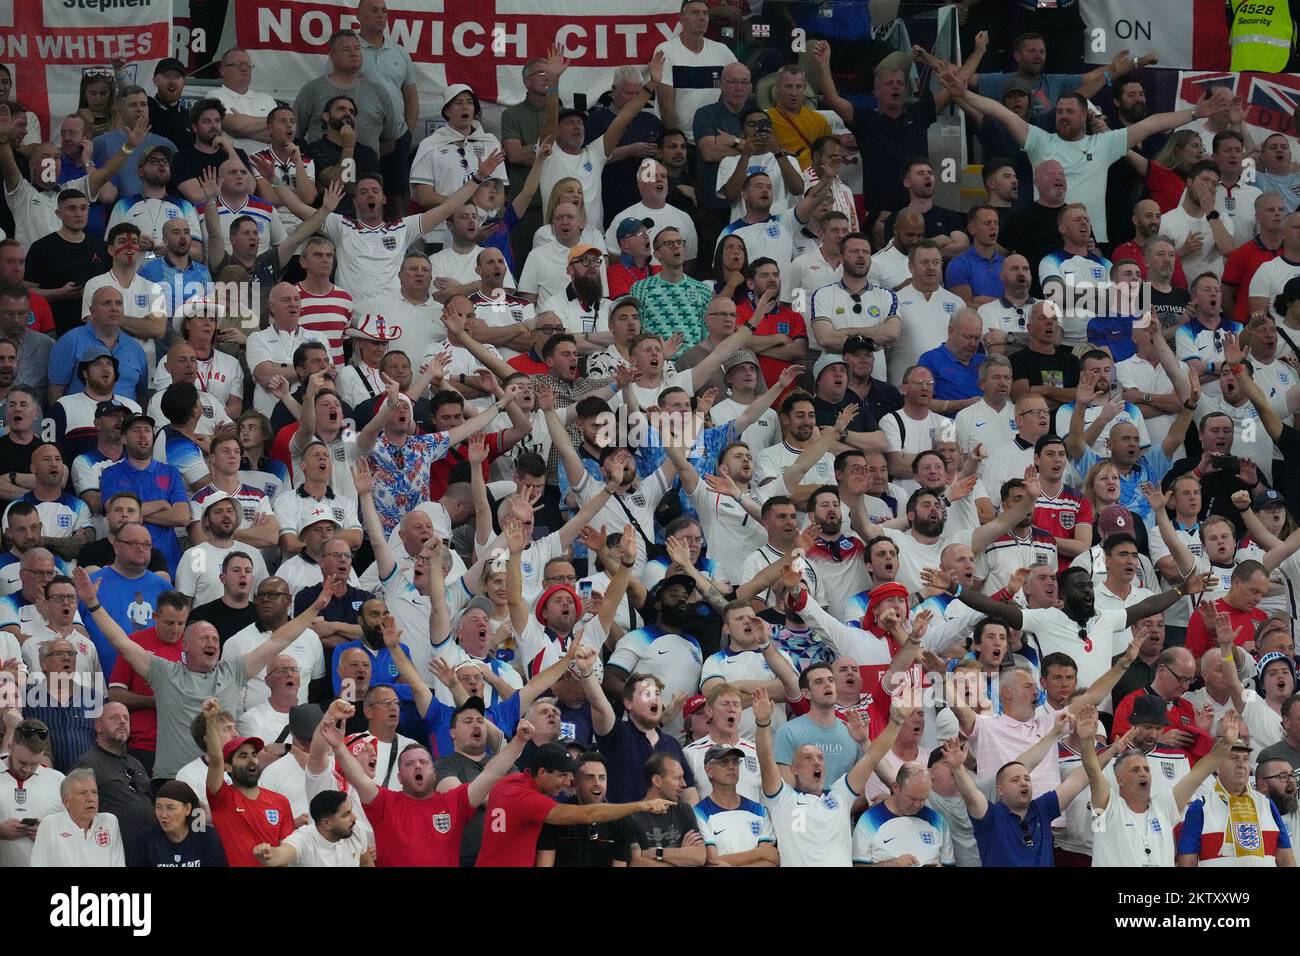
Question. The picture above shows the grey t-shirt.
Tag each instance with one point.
(379, 115)
(466, 770)
(1281, 751)
(179, 694)
(953, 809)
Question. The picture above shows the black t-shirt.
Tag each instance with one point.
(153, 849)
(228, 620)
(940, 221)
(1218, 487)
(465, 770)
(100, 554)
(15, 457)
(53, 262)
(828, 412)
(1032, 233)
(171, 122)
(189, 164)
(1058, 370)
(1169, 306)
(893, 142)
(123, 790)
(1288, 443)
(588, 844)
(667, 830)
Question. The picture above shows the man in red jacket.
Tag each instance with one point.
(1188, 729)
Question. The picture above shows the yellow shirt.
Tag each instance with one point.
(797, 133)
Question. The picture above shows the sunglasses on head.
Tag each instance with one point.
(27, 730)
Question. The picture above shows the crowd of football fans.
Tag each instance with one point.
(624, 487)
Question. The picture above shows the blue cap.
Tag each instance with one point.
(630, 227)
(1268, 498)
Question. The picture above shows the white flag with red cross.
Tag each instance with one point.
(48, 45)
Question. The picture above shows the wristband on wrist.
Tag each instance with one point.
(757, 724)
(126, 149)
(94, 608)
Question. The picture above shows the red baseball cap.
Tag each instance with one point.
(693, 704)
(234, 743)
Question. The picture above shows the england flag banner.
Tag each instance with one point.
(1185, 34)
(1271, 99)
(50, 44)
(484, 43)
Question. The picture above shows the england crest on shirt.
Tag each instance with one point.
(587, 166)
(442, 822)
(783, 328)
(751, 763)
(829, 802)
(755, 827)
(141, 300)
(1067, 520)
(65, 521)
(774, 230)
(102, 838)
(1097, 273)
(927, 839)
(20, 797)
(338, 515)
(390, 243)
(273, 817)
(1168, 770)
(1246, 835)
(949, 307)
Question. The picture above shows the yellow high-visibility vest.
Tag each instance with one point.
(1262, 35)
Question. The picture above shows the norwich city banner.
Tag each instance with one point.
(484, 43)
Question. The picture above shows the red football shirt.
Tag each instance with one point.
(144, 722)
(243, 823)
(782, 321)
(1241, 266)
(411, 832)
(1199, 639)
(1131, 250)
(440, 470)
(1058, 516)
(521, 810)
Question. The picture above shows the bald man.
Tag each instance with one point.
(102, 329)
(889, 266)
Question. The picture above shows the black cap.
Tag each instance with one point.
(472, 703)
(1148, 709)
(720, 752)
(135, 418)
(109, 407)
(303, 720)
(553, 757)
(169, 63)
(857, 343)
(572, 111)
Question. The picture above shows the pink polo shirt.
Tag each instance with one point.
(999, 739)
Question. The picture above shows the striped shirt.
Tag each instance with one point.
(270, 231)
(1008, 552)
(327, 314)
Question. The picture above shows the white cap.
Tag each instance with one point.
(217, 496)
(946, 725)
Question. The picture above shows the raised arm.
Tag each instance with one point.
(308, 227)
(493, 363)
(88, 594)
(548, 675)
(392, 401)
(955, 86)
(96, 178)
(821, 51)
(260, 657)
(1159, 603)
(431, 217)
(1099, 689)
(1179, 553)
(1230, 730)
(1162, 122)
(216, 775)
(633, 106)
(1233, 358)
(362, 783)
(1006, 613)
(364, 482)
(955, 755)
(770, 772)
(500, 765)
(866, 765)
(986, 534)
